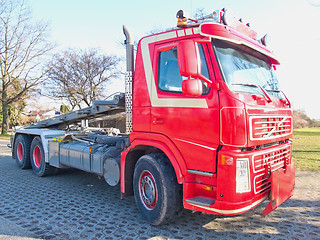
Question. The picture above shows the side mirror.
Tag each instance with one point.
(188, 59)
(192, 87)
(190, 67)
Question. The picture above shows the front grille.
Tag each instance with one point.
(263, 128)
(275, 158)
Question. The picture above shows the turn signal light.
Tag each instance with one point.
(226, 160)
(208, 188)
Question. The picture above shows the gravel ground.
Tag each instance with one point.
(77, 205)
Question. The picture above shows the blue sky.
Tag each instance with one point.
(293, 27)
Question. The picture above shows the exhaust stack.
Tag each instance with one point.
(128, 77)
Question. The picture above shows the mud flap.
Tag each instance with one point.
(282, 184)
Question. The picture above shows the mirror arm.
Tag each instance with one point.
(201, 77)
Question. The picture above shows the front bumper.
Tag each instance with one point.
(227, 208)
(271, 175)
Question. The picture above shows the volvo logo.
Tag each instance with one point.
(277, 126)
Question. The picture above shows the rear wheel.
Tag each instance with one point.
(37, 157)
(22, 151)
(156, 191)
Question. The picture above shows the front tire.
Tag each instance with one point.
(156, 191)
(37, 158)
(22, 151)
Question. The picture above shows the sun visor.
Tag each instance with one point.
(222, 32)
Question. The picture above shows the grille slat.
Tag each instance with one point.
(276, 159)
(286, 152)
(269, 127)
(276, 131)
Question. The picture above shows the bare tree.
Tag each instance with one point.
(200, 13)
(80, 76)
(23, 42)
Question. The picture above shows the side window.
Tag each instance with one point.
(204, 70)
(169, 78)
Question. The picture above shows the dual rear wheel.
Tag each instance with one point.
(31, 155)
(37, 159)
(22, 151)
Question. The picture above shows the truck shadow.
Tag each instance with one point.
(294, 218)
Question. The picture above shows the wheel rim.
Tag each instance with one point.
(148, 190)
(37, 156)
(20, 152)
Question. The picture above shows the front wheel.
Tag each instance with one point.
(156, 191)
(37, 157)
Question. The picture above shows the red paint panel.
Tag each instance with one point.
(198, 189)
(163, 143)
(141, 119)
(190, 130)
(233, 127)
(282, 184)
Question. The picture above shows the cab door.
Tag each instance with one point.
(192, 123)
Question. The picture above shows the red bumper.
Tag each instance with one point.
(282, 184)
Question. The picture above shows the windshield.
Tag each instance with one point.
(246, 70)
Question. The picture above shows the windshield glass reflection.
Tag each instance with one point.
(246, 70)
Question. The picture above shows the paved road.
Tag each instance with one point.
(77, 205)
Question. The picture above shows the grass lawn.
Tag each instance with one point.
(5, 137)
(306, 148)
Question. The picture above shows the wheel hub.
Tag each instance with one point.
(148, 190)
(20, 152)
(37, 156)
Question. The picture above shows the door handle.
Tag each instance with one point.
(157, 121)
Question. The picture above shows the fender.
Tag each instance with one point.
(161, 142)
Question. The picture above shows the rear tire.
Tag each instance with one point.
(22, 151)
(37, 159)
(156, 190)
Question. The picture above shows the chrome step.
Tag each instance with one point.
(203, 201)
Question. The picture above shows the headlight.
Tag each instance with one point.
(243, 175)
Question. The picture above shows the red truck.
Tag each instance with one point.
(208, 128)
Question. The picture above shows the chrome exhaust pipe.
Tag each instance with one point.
(128, 77)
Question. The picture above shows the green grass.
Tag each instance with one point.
(306, 149)
(5, 137)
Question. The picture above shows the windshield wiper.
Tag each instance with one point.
(285, 100)
(266, 95)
